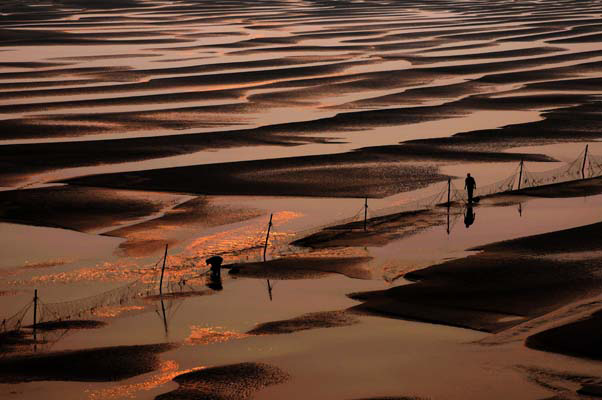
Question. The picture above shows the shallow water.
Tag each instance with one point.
(491, 223)
(383, 357)
(378, 356)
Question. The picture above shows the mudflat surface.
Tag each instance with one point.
(102, 364)
(237, 381)
(580, 338)
(182, 125)
(504, 284)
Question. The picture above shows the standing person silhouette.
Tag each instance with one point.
(469, 184)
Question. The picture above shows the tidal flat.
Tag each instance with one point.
(320, 148)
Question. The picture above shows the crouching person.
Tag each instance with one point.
(215, 276)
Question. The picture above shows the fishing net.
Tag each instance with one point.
(184, 277)
(424, 203)
(520, 178)
(572, 171)
(331, 225)
(594, 165)
(14, 322)
(66, 310)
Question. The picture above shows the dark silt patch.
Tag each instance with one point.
(229, 382)
(77, 208)
(580, 338)
(571, 123)
(148, 237)
(343, 175)
(21, 340)
(584, 187)
(563, 383)
(303, 268)
(70, 324)
(327, 319)
(505, 284)
(384, 229)
(380, 230)
(14, 340)
(93, 365)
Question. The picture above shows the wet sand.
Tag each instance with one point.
(575, 339)
(238, 381)
(330, 319)
(379, 230)
(79, 208)
(302, 267)
(376, 64)
(305, 176)
(110, 364)
(503, 285)
(185, 124)
(73, 324)
(369, 172)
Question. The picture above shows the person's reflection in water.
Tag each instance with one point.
(469, 216)
(215, 276)
(215, 282)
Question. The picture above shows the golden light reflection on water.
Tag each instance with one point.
(285, 216)
(167, 371)
(29, 265)
(239, 242)
(114, 311)
(202, 335)
(104, 272)
(44, 264)
(336, 252)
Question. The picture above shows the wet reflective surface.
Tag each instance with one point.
(154, 84)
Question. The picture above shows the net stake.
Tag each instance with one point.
(583, 166)
(162, 272)
(267, 237)
(35, 315)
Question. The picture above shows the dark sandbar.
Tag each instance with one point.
(580, 338)
(94, 365)
(327, 319)
(229, 382)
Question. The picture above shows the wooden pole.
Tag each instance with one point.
(584, 158)
(448, 192)
(163, 272)
(520, 174)
(267, 237)
(366, 214)
(35, 315)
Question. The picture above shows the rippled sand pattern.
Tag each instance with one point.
(275, 72)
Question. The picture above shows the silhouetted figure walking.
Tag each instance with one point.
(469, 216)
(470, 184)
(215, 278)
